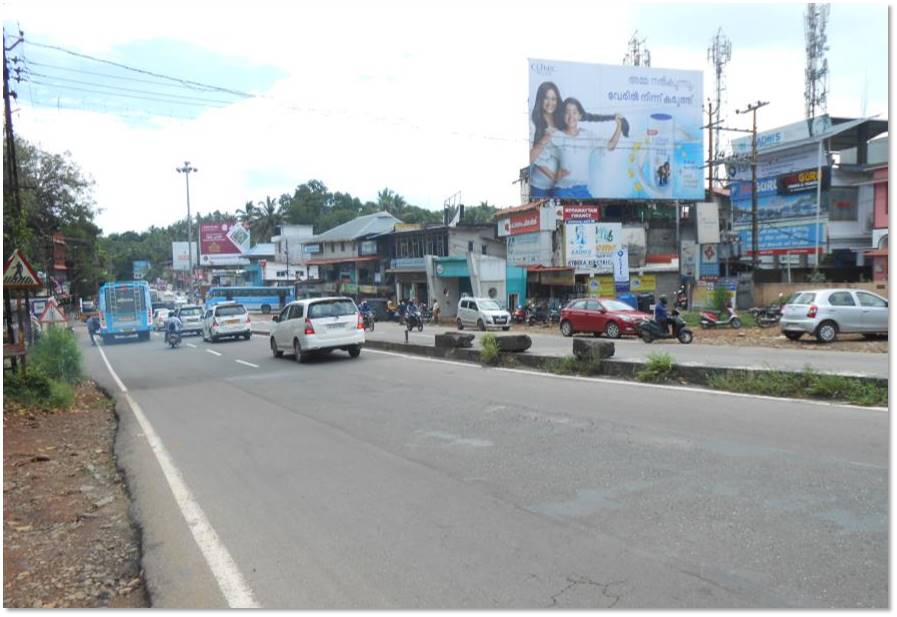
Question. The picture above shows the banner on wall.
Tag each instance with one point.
(619, 132)
(591, 247)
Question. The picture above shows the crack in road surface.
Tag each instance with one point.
(582, 580)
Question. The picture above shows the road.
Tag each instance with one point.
(409, 483)
(844, 362)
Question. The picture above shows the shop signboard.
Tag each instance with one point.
(312, 248)
(782, 135)
(591, 247)
(222, 243)
(708, 222)
(776, 163)
(408, 263)
(530, 249)
(803, 181)
(773, 205)
(639, 132)
(709, 261)
(562, 278)
(523, 223)
(643, 283)
(688, 254)
(602, 286)
(582, 213)
(783, 239)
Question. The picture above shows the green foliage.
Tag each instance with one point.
(659, 368)
(491, 354)
(806, 384)
(720, 298)
(56, 354)
(571, 365)
(36, 388)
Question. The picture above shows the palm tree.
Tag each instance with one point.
(247, 214)
(391, 202)
(268, 216)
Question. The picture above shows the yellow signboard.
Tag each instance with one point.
(603, 286)
(645, 282)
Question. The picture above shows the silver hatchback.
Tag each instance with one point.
(826, 312)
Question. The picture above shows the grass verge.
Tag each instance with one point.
(658, 369)
(806, 384)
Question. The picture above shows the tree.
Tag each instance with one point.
(268, 217)
(248, 213)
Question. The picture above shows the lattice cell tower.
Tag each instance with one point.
(719, 54)
(638, 54)
(817, 75)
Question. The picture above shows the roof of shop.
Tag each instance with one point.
(359, 227)
(522, 208)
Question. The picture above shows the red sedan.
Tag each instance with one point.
(597, 315)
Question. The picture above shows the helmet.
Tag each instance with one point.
(663, 299)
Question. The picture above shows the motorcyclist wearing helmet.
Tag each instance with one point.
(660, 313)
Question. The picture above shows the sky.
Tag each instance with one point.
(427, 99)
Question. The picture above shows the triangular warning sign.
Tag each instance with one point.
(52, 313)
(18, 273)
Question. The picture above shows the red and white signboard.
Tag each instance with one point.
(52, 313)
(222, 243)
(582, 213)
(524, 223)
(18, 273)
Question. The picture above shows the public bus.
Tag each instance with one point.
(264, 299)
(126, 308)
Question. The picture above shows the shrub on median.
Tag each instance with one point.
(658, 368)
(491, 353)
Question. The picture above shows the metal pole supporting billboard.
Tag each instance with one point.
(186, 169)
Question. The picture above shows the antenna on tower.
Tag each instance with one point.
(638, 54)
(719, 54)
(816, 75)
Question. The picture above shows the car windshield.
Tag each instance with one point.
(190, 312)
(331, 308)
(803, 298)
(616, 305)
(489, 305)
(225, 311)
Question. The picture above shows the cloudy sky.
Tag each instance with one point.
(428, 99)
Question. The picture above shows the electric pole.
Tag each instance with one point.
(186, 169)
(12, 166)
(755, 235)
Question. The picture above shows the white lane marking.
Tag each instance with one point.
(231, 582)
(634, 384)
(213, 352)
(247, 363)
(190, 345)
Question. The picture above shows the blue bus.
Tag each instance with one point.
(264, 299)
(126, 309)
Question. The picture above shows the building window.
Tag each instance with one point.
(484, 249)
(342, 247)
(843, 204)
(470, 246)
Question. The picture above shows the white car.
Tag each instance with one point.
(159, 319)
(483, 313)
(191, 318)
(826, 312)
(224, 320)
(317, 324)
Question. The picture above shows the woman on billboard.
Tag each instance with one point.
(547, 117)
(575, 146)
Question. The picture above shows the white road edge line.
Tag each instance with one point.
(247, 363)
(634, 384)
(231, 582)
(190, 345)
(213, 352)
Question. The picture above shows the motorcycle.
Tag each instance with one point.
(649, 330)
(554, 315)
(712, 319)
(537, 314)
(368, 319)
(426, 314)
(768, 316)
(173, 339)
(413, 320)
(519, 315)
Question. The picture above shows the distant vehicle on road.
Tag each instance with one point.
(191, 318)
(125, 309)
(483, 313)
(228, 319)
(317, 325)
(264, 299)
(826, 312)
(600, 316)
(88, 309)
(159, 317)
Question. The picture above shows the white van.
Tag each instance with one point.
(483, 313)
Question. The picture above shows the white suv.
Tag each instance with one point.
(317, 324)
(191, 318)
(483, 313)
(226, 319)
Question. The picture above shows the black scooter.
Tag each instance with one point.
(649, 330)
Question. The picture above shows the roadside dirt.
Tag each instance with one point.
(68, 540)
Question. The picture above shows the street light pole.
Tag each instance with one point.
(186, 169)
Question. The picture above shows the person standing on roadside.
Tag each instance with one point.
(435, 311)
(93, 326)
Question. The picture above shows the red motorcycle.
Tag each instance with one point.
(712, 319)
(519, 315)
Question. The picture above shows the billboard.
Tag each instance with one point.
(777, 163)
(781, 239)
(180, 259)
(530, 249)
(780, 136)
(592, 247)
(614, 132)
(223, 243)
(141, 267)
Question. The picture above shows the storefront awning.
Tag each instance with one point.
(341, 260)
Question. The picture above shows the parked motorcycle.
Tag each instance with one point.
(426, 314)
(554, 315)
(537, 314)
(649, 330)
(413, 320)
(768, 316)
(712, 319)
(519, 315)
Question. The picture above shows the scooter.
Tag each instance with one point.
(649, 330)
(712, 319)
(173, 339)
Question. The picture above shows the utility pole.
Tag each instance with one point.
(186, 169)
(13, 168)
(755, 239)
(710, 166)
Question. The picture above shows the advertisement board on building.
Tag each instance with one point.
(368, 247)
(621, 265)
(708, 222)
(591, 247)
(709, 261)
(602, 286)
(777, 163)
(530, 249)
(688, 257)
(180, 258)
(643, 283)
(773, 205)
(582, 213)
(312, 248)
(140, 268)
(222, 243)
(782, 239)
(635, 132)
(523, 223)
(782, 135)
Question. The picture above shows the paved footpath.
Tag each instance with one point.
(840, 362)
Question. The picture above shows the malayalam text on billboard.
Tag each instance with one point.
(614, 132)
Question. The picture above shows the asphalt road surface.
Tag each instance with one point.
(409, 483)
(844, 362)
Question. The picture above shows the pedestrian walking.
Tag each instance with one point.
(93, 326)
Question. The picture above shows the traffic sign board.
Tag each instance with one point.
(18, 273)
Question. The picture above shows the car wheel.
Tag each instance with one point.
(506, 328)
(274, 350)
(827, 332)
(612, 330)
(566, 328)
(793, 336)
(297, 351)
(460, 324)
(248, 335)
(355, 351)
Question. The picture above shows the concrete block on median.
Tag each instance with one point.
(453, 340)
(514, 342)
(585, 349)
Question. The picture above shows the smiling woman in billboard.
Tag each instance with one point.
(576, 145)
(543, 157)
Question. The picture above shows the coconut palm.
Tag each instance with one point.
(268, 217)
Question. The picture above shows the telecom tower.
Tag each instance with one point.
(816, 88)
(719, 54)
(638, 54)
